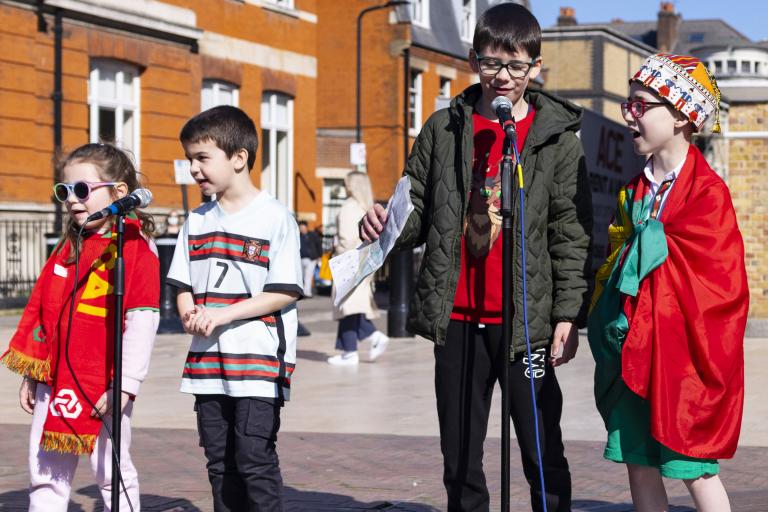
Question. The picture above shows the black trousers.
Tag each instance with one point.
(238, 436)
(466, 370)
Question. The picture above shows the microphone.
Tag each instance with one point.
(503, 108)
(139, 198)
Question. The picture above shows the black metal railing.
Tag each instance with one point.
(22, 256)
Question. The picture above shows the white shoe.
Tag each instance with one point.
(344, 359)
(379, 342)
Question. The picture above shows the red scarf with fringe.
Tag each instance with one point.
(37, 349)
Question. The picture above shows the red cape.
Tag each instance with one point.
(684, 351)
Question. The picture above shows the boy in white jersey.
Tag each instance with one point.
(238, 270)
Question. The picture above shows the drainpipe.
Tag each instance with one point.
(58, 98)
(401, 261)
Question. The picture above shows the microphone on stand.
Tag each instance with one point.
(502, 106)
(139, 198)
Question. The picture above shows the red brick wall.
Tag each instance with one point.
(171, 78)
(25, 133)
(382, 84)
(381, 79)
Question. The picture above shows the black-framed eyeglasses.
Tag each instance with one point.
(516, 68)
(81, 189)
(637, 108)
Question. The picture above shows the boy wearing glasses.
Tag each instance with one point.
(667, 322)
(455, 180)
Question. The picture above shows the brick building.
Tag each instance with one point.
(133, 72)
(590, 64)
(414, 58)
(748, 161)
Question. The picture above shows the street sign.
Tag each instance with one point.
(182, 173)
(357, 153)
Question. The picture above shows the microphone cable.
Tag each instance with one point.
(116, 408)
(519, 171)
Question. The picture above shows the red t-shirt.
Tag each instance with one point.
(478, 293)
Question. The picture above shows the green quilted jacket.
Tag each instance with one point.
(558, 217)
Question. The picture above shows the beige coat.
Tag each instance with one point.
(361, 299)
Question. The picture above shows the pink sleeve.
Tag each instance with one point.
(138, 340)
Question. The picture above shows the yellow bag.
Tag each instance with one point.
(325, 269)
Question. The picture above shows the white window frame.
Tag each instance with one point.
(281, 188)
(443, 99)
(445, 87)
(468, 20)
(119, 104)
(748, 65)
(420, 12)
(415, 91)
(216, 87)
(286, 4)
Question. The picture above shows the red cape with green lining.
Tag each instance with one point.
(684, 349)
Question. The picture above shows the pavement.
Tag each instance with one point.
(366, 438)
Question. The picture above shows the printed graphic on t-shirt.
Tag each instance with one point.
(229, 247)
(483, 223)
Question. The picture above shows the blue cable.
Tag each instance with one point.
(525, 324)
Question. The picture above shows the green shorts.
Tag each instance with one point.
(630, 442)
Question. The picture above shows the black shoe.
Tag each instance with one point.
(302, 331)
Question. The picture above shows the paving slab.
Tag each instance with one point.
(356, 472)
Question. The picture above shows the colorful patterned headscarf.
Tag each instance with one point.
(686, 83)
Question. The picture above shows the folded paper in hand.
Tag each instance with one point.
(349, 269)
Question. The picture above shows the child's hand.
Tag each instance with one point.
(564, 344)
(104, 405)
(197, 320)
(187, 319)
(373, 223)
(27, 394)
(207, 320)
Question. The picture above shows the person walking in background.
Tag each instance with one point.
(311, 248)
(172, 223)
(355, 312)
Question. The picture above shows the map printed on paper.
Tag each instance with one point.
(349, 269)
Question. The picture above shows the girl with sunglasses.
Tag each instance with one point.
(63, 347)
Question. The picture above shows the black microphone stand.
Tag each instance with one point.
(117, 382)
(507, 237)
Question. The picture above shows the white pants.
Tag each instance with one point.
(51, 473)
(308, 266)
